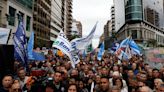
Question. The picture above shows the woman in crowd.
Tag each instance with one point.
(119, 83)
(82, 87)
(72, 88)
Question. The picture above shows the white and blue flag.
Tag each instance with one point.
(101, 52)
(82, 43)
(134, 47)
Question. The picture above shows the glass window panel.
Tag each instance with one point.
(28, 19)
(11, 19)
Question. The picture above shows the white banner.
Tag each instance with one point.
(4, 34)
(82, 43)
(64, 45)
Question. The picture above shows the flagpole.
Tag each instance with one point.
(8, 37)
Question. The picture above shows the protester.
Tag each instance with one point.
(145, 89)
(22, 77)
(82, 87)
(72, 88)
(161, 88)
(157, 83)
(119, 83)
(7, 82)
(15, 88)
(105, 84)
(115, 89)
(111, 74)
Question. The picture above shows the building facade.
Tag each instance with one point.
(11, 10)
(142, 19)
(67, 17)
(76, 29)
(42, 23)
(56, 18)
(113, 18)
(108, 37)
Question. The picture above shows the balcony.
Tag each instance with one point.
(69, 22)
(70, 10)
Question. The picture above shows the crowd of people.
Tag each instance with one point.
(56, 74)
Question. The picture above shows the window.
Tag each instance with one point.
(28, 19)
(21, 15)
(11, 19)
(134, 34)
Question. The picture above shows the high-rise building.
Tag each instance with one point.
(142, 19)
(56, 18)
(67, 12)
(76, 29)
(11, 10)
(79, 27)
(108, 31)
(101, 39)
(42, 22)
(113, 18)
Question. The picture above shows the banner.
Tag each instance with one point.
(155, 57)
(64, 45)
(82, 43)
(4, 35)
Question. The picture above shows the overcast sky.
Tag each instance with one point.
(90, 11)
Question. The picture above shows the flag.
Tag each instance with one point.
(127, 47)
(82, 43)
(84, 53)
(64, 45)
(30, 46)
(115, 46)
(134, 47)
(120, 50)
(121, 54)
(60, 53)
(128, 52)
(38, 56)
(101, 52)
(20, 43)
(124, 43)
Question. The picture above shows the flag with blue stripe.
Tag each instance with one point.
(124, 43)
(134, 47)
(115, 46)
(101, 52)
(20, 44)
(30, 46)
